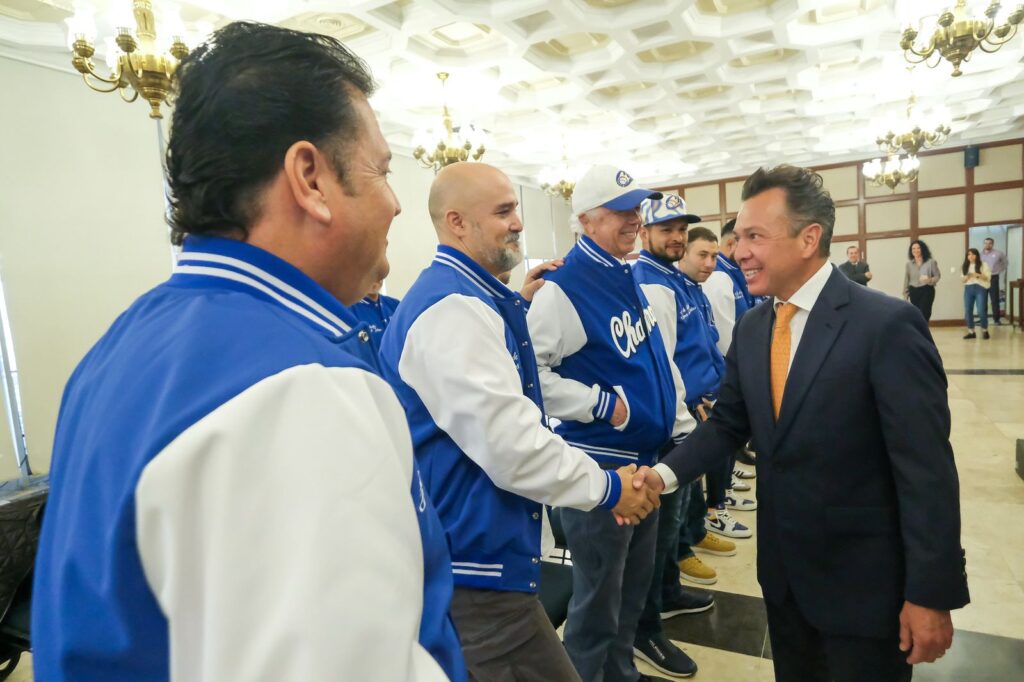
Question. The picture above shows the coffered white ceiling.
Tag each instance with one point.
(676, 91)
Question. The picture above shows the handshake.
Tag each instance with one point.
(641, 494)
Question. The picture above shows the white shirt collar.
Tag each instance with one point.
(807, 295)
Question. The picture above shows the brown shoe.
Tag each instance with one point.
(696, 571)
(713, 544)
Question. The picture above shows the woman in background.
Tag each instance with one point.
(977, 277)
(921, 277)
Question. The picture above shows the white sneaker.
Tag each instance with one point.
(739, 503)
(738, 484)
(723, 524)
(743, 473)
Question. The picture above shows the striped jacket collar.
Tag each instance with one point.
(471, 270)
(589, 248)
(728, 263)
(219, 262)
(658, 264)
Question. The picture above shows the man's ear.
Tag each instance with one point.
(810, 237)
(305, 168)
(456, 222)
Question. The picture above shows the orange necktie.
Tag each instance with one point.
(784, 312)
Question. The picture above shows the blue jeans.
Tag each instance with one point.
(611, 574)
(974, 299)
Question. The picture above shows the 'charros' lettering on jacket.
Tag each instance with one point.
(628, 335)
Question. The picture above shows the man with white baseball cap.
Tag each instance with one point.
(605, 374)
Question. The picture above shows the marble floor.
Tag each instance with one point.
(986, 398)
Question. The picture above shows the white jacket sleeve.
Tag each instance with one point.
(666, 310)
(718, 289)
(279, 537)
(456, 360)
(557, 332)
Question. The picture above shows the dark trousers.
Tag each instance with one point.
(800, 653)
(666, 552)
(691, 526)
(612, 567)
(923, 297)
(507, 637)
(993, 296)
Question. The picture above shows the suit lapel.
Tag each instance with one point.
(820, 333)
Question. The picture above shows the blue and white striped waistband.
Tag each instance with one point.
(599, 451)
(472, 568)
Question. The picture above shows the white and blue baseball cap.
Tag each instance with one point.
(608, 187)
(667, 207)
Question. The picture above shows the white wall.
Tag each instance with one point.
(81, 228)
(82, 232)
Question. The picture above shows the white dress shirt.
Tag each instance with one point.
(804, 299)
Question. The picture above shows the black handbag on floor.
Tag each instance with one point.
(21, 512)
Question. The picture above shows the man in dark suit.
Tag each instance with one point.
(844, 394)
(855, 268)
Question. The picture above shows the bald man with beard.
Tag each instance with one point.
(459, 356)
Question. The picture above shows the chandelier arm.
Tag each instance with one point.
(996, 43)
(112, 85)
(134, 96)
(114, 78)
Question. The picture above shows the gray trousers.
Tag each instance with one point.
(507, 637)
(612, 567)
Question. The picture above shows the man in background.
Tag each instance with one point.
(855, 269)
(996, 261)
(375, 309)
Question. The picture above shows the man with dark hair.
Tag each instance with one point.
(859, 573)
(996, 261)
(854, 268)
(726, 289)
(231, 477)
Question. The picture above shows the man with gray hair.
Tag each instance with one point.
(859, 574)
(605, 375)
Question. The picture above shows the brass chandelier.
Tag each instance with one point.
(895, 170)
(453, 144)
(958, 33)
(142, 67)
(914, 137)
(559, 188)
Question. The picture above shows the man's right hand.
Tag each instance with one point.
(618, 414)
(637, 499)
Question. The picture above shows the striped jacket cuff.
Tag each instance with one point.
(613, 492)
(605, 406)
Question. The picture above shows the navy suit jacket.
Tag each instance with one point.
(858, 495)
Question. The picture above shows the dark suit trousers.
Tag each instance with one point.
(993, 294)
(803, 654)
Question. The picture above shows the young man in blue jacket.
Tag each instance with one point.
(606, 376)
(461, 360)
(231, 478)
